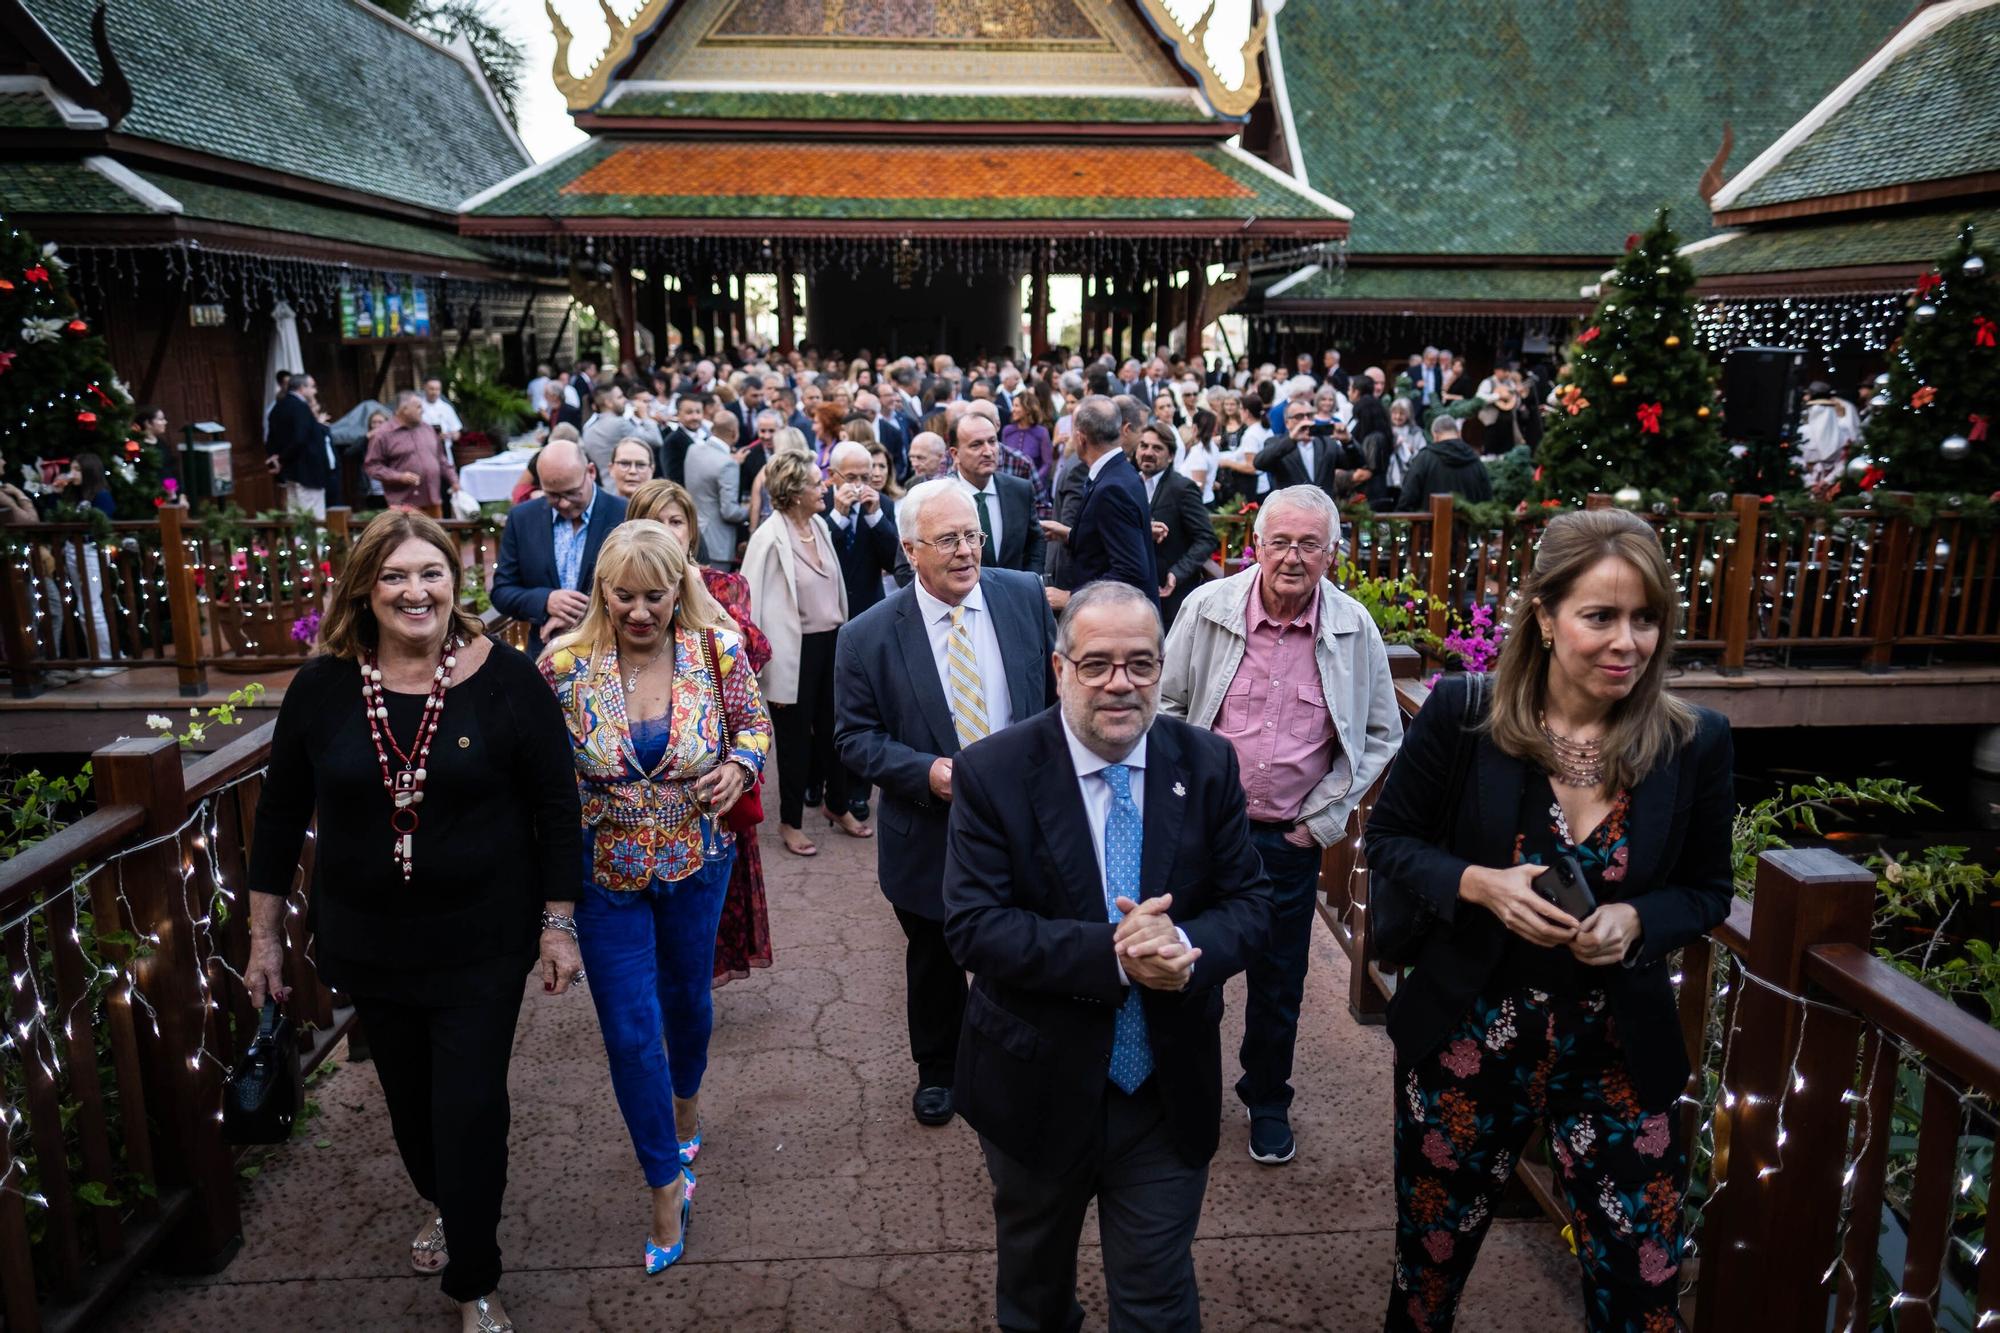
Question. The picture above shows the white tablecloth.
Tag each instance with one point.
(492, 479)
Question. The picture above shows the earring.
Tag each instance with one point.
(1548, 644)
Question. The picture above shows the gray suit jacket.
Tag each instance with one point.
(891, 719)
(712, 480)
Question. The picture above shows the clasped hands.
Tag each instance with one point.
(1599, 940)
(1149, 946)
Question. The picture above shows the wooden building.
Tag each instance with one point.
(209, 166)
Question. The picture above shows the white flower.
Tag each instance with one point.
(126, 471)
(49, 256)
(35, 330)
(159, 723)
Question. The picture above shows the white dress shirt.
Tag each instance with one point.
(992, 494)
(1309, 455)
(985, 650)
(1097, 798)
(1103, 461)
(442, 417)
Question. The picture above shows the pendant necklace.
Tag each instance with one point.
(405, 785)
(1578, 763)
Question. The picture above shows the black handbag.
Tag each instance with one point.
(1399, 920)
(265, 1090)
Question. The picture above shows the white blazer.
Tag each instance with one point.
(772, 572)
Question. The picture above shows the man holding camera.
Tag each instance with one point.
(1312, 452)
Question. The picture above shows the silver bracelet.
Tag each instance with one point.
(566, 924)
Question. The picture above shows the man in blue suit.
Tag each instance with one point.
(961, 652)
(1113, 535)
(548, 550)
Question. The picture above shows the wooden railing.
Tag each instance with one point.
(172, 592)
(1856, 584)
(1796, 1033)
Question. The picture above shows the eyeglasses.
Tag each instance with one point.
(574, 493)
(1093, 671)
(951, 541)
(1281, 548)
(633, 463)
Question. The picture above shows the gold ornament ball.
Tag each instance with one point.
(1673, 340)
(1701, 411)
(1619, 378)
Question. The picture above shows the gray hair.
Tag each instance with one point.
(1097, 420)
(1104, 592)
(848, 449)
(771, 412)
(1444, 427)
(910, 509)
(1302, 497)
(1131, 412)
(1300, 386)
(1072, 382)
(405, 395)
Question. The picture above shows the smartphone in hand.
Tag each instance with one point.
(1564, 884)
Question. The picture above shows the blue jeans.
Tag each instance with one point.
(650, 958)
(1276, 979)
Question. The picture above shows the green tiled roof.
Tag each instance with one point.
(61, 187)
(1913, 239)
(905, 108)
(1444, 284)
(247, 208)
(1550, 129)
(327, 89)
(28, 111)
(1928, 114)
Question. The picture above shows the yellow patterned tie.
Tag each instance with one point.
(968, 696)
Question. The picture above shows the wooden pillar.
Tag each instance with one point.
(1439, 584)
(1038, 308)
(17, 615)
(651, 310)
(680, 310)
(741, 310)
(623, 323)
(787, 307)
(1775, 1214)
(1197, 294)
(1893, 575)
(184, 1088)
(1162, 286)
(182, 606)
(1739, 586)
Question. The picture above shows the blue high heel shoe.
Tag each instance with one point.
(689, 1147)
(659, 1258)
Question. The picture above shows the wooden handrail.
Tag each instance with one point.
(246, 754)
(1948, 1036)
(52, 860)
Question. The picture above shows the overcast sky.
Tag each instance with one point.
(545, 124)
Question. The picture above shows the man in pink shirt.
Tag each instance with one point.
(407, 457)
(1292, 673)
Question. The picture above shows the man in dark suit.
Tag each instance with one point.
(1298, 457)
(690, 427)
(548, 550)
(557, 410)
(1100, 921)
(905, 705)
(584, 382)
(1005, 505)
(1184, 536)
(888, 431)
(298, 450)
(1113, 535)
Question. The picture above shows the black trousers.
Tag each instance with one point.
(805, 734)
(1148, 1203)
(936, 999)
(444, 1077)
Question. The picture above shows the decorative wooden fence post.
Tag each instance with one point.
(1891, 586)
(1775, 1215)
(17, 602)
(1738, 593)
(1438, 618)
(184, 1087)
(182, 608)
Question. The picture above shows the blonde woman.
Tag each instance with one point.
(787, 439)
(1532, 1004)
(801, 600)
(668, 731)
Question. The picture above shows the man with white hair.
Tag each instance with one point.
(1292, 673)
(864, 532)
(961, 652)
(1298, 386)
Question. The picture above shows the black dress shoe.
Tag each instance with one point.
(932, 1106)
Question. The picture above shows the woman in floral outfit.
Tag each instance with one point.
(1517, 1013)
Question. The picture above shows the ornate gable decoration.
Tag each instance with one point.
(584, 93)
(1218, 41)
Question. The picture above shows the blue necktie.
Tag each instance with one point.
(1131, 1057)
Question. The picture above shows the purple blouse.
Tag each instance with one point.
(1030, 441)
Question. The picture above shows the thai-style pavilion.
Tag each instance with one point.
(902, 167)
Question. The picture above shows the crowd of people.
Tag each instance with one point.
(1102, 779)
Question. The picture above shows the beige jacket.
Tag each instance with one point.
(770, 568)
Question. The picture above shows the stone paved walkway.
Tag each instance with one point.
(822, 1204)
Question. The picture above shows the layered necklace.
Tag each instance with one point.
(405, 784)
(1578, 763)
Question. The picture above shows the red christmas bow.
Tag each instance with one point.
(1872, 478)
(36, 274)
(1587, 335)
(1649, 418)
(1978, 431)
(1929, 283)
(1982, 331)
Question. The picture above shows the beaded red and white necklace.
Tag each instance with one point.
(405, 785)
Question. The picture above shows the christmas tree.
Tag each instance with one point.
(58, 394)
(1930, 430)
(1636, 409)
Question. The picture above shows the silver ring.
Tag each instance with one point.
(577, 980)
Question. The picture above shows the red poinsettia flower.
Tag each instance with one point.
(36, 274)
(1923, 397)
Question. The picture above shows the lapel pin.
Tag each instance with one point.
(1179, 790)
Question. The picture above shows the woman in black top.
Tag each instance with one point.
(1516, 1011)
(438, 769)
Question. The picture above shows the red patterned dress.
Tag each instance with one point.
(743, 940)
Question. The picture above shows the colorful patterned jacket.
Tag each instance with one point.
(642, 828)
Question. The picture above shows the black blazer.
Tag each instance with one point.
(1680, 879)
(670, 459)
(1190, 538)
(1113, 536)
(526, 572)
(1023, 545)
(1280, 457)
(891, 719)
(1025, 913)
(299, 441)
(867, 552)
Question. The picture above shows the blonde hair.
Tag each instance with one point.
(788, 439)
(349, 628)
(641, 554)
(789, 475)
(1648, 724)
(653, 499)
